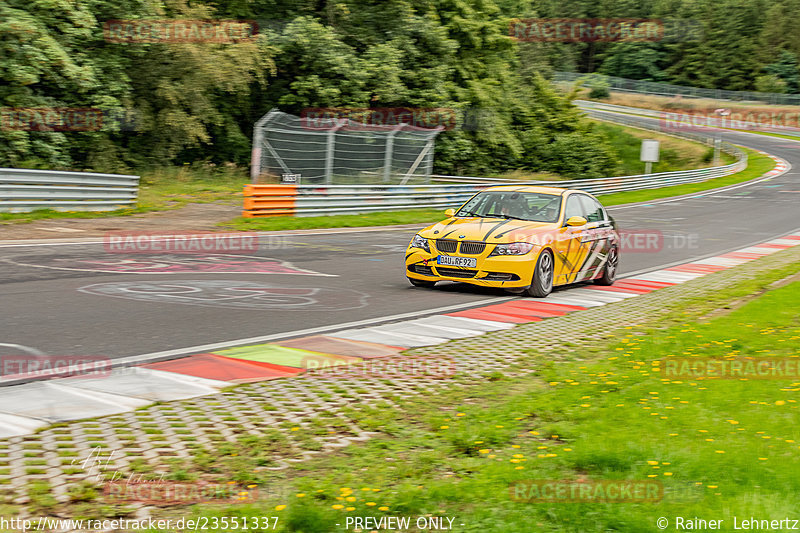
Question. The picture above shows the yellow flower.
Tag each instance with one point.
(720, 451)
(337, 506)
(780, 402)
(300, 495)
(350, 499)
(295, 429)
(383, 508)
(444, 427)
(350, 509)
(280, 507)
(652, 462)
(371, 504)
(484, 450)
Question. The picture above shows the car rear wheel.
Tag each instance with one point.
(421, 283)
(542, 283)
(610, 270)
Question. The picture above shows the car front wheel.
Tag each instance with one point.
(542, 283)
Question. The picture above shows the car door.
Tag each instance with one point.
(594, 238)
(569, 247)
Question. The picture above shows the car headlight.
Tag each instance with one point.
(514, 248)
(420, 242)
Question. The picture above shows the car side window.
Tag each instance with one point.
(593, 211)
(574, 208)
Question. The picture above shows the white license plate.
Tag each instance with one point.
(449, 260)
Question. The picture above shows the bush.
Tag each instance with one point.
(599, 92)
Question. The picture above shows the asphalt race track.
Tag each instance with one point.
(78, 299)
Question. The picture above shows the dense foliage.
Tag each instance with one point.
(198, 101)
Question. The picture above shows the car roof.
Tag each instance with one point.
(528, 188)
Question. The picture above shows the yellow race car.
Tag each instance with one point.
(518, 238)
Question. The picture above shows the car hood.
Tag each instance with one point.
(492, 230)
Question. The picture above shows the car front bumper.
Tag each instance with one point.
(503, 271)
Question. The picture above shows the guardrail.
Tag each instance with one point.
(311, 200)
(668, 89)
(25, 190)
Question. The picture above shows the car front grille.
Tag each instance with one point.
(472, 247)
(456, 273)
(447, 246)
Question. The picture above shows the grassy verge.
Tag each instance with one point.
(675, 153)
(172, 188)
(411, 216)
(757, 165)
(675, 104)
(719, 448)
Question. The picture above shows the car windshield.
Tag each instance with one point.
(533, 206)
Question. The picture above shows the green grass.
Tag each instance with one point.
(411, 216)
(603, 412)
(674, 153)
(757, 165)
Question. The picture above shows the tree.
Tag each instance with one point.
(785, 68)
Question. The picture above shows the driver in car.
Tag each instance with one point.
(516, 207)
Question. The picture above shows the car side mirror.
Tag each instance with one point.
(576, 221)
(449, 212)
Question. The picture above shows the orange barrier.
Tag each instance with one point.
(269, 200)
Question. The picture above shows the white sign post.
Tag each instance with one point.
(649, 154)
(718, 140)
